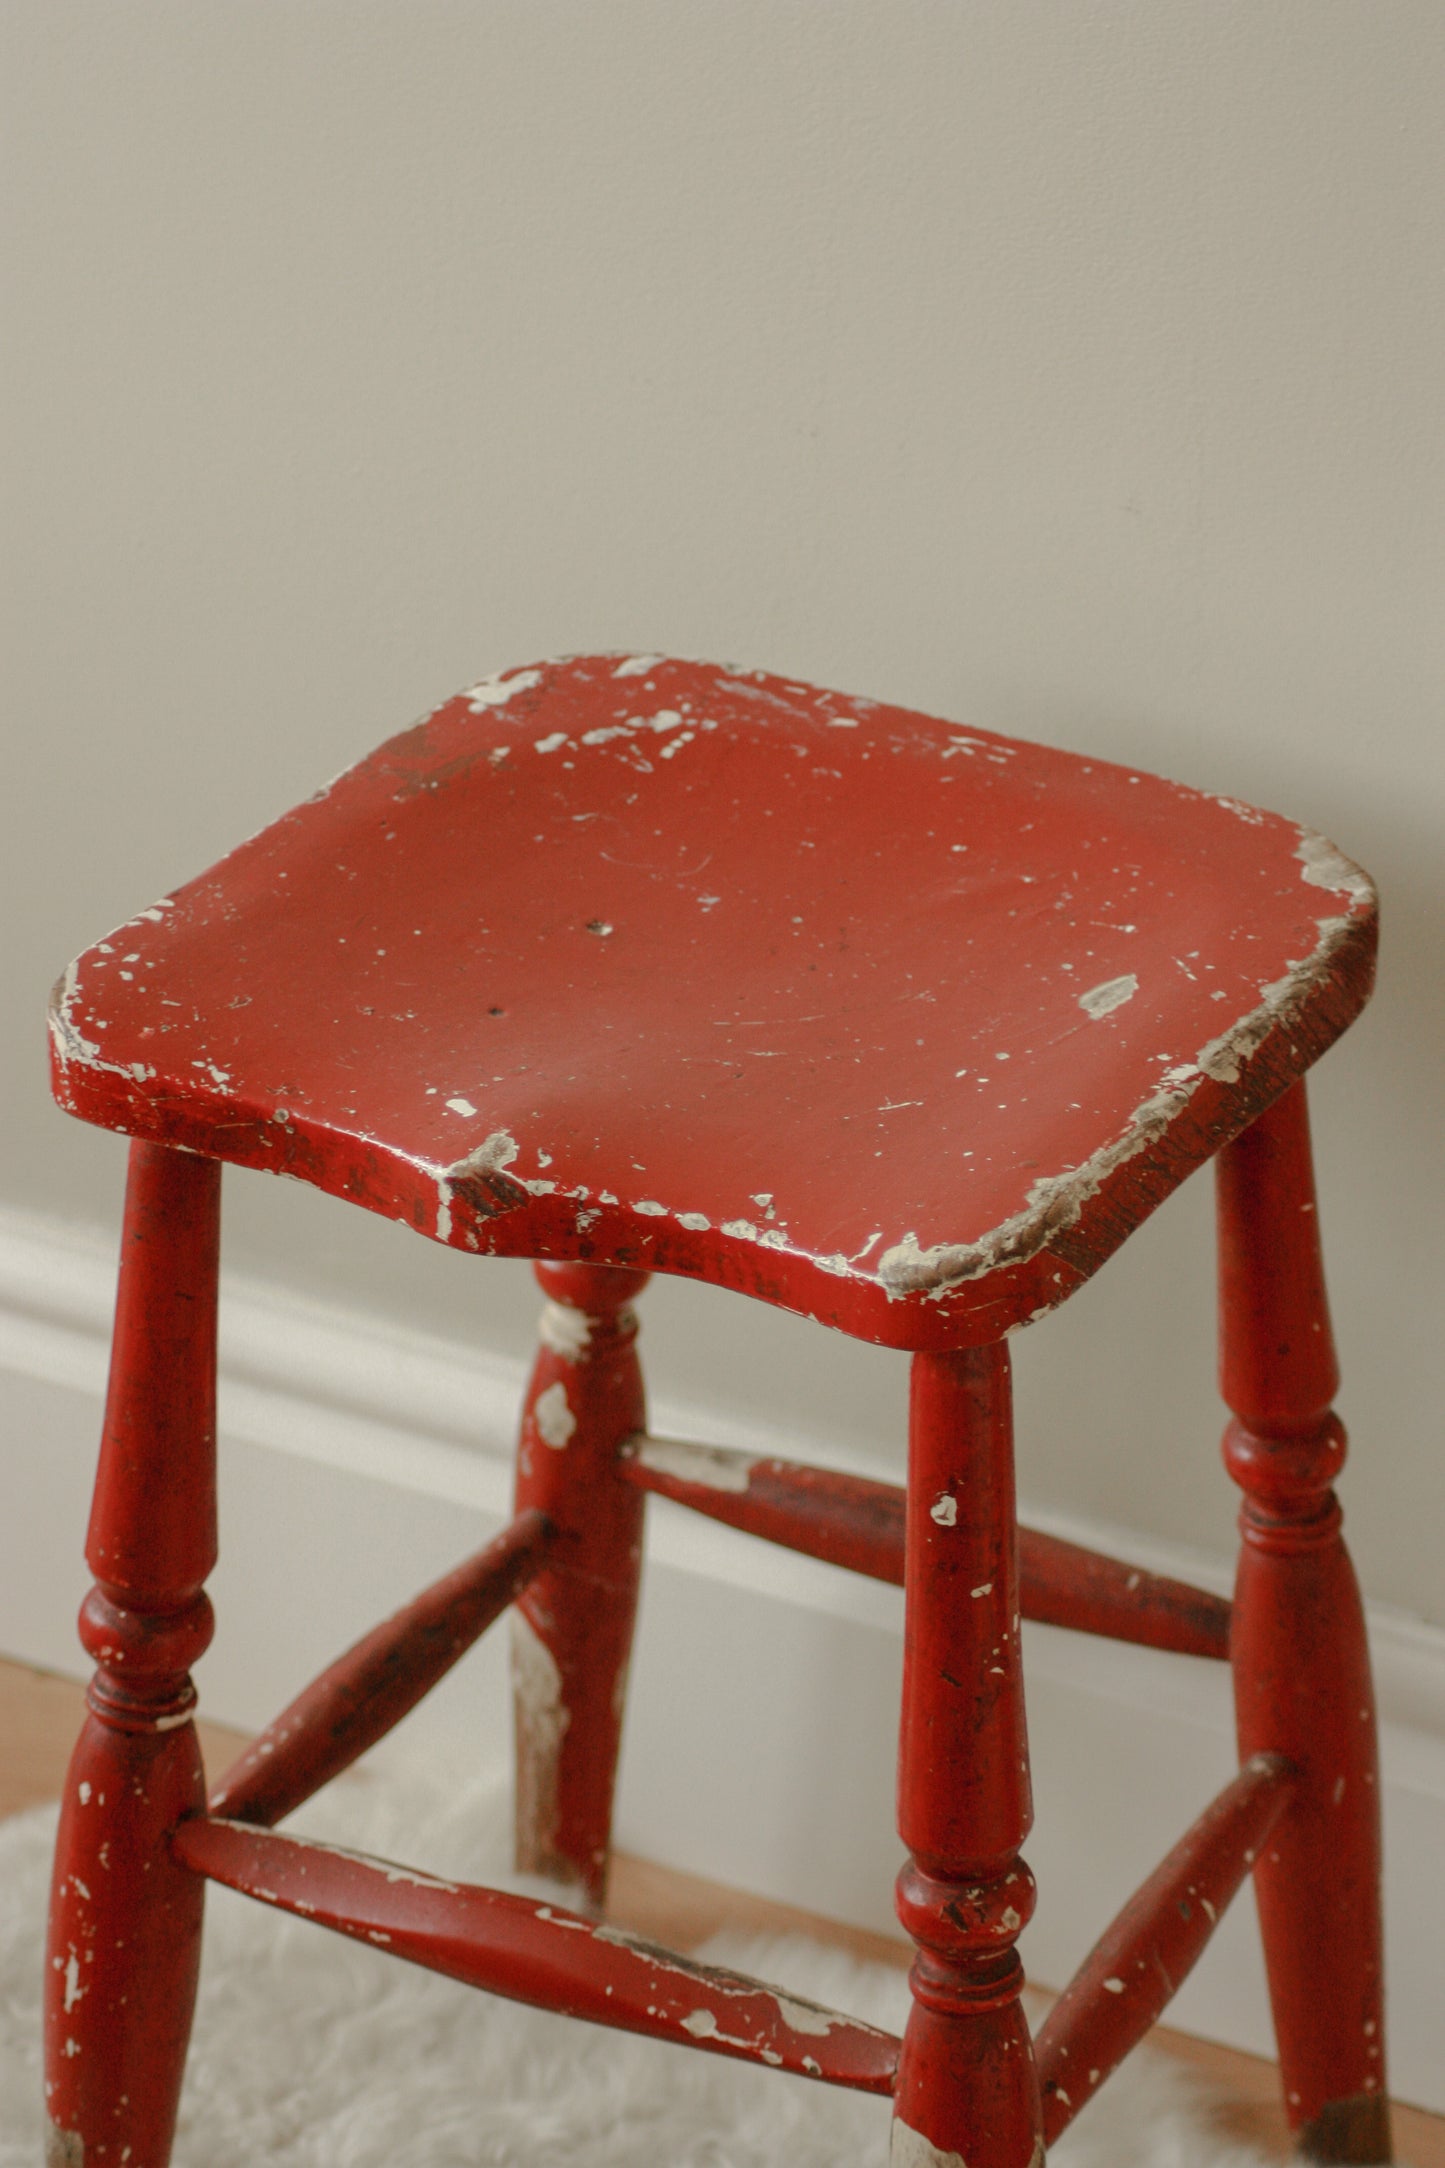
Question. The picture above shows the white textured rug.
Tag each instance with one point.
(312, 2051)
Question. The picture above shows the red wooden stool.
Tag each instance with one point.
(634, 966)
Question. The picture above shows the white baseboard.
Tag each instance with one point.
(360, 1461)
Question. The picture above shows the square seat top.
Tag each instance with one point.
(650, 963)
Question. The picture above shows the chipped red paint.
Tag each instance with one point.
(1301, 1664)
(1138, 1965)
(124, 1938)
(543, 1954)
(641, 965)
(360, 1697)
(967, 1008)
(572, 1627)
(1066, 1584)
(857, 1523)
(848, 1520)
(967, 2085)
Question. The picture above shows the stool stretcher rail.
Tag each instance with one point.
(1146, 1954)
(852, 1521)
(379, 1681)
(538, 1953)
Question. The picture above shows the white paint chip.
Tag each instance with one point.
(494, 692)
(944, 1510)
(804, 2017)
(461, 1106)
(713, 1467)
(565, 1330)
(552, 1412)
(1112, 994)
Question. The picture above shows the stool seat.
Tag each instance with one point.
(650, 963)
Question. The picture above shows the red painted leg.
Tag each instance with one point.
(1301, 1666)
(125, 1920)
(968, 2090)
(572, 1628)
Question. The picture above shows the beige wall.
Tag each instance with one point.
(1076, 368)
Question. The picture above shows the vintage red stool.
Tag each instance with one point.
(638, 966)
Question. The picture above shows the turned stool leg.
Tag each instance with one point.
(572, 1628)
(125, 1921)
(967, 2090)
(1301, 1666)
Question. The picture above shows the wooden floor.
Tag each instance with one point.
(39, 1717)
